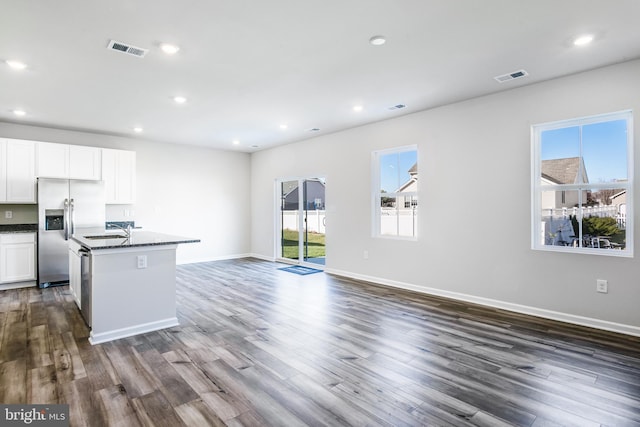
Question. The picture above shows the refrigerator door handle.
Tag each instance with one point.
(66, 219)
(72, 216)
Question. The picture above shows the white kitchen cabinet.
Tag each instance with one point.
(3, 170)
(17, 171)
(17, 257)
(52, 160)
(69, 161)
(74, 272)
(85, 162)
(119, 175)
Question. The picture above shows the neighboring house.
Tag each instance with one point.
(314, 197)
(411, 186)
(563, 171)
(619, 200)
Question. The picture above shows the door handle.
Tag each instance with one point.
(73, 217)
(66, 219)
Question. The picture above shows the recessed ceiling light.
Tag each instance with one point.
(180, 99)
(169, 49)
(236, 142)
(357, 108)
(283, 126)
(583, 40)
(19, 112)
(137, 129)
(377, 40)
(16, 65)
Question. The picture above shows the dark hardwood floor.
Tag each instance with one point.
(261, 347)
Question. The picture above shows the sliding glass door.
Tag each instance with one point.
(289, 220)
(301, 223)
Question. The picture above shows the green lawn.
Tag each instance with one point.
(290, 245)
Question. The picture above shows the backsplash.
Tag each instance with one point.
(113, 225)
(20, 214)
(28, 214)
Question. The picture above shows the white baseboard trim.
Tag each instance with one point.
(262, 257)
(133, 330)
(220, 258)
(18, 285)
(517, 308)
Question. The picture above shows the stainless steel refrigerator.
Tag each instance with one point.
(64, 205)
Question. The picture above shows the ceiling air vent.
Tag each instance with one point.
(128, 49)
(397, 107)
(511, 76)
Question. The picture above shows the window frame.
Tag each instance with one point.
(376, 195)
(537, 188)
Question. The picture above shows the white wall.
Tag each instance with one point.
(484, 257)
(183, 190)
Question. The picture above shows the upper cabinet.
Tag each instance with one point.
(68, 161)
(85, 162)
(22, 161)
(17, 171)
(52, 160)
(119, 176)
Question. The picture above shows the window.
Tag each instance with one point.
(395, 192)
(582, 180)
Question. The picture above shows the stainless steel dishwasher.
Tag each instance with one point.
(85, 284)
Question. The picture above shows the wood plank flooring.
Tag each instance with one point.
(261, 347)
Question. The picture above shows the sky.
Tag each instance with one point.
(394, 169)
(604, 148)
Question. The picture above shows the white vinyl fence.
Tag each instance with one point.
(315, 220)
(620, 214)
(392, 222)
(401, 222)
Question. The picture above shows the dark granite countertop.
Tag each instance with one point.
(18, 228)
(138, 238)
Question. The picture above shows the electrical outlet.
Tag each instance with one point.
(602, 286)
(365, 255)
(8, 214)
(142, 261)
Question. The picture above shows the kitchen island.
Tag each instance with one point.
(128, 282)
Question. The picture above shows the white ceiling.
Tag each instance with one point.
(248, 66)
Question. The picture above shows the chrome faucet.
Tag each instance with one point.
(127, 229)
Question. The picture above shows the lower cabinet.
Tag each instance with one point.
(17, 257)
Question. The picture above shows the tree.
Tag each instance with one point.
(597, 226)
(605, 195)
(387, 202)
